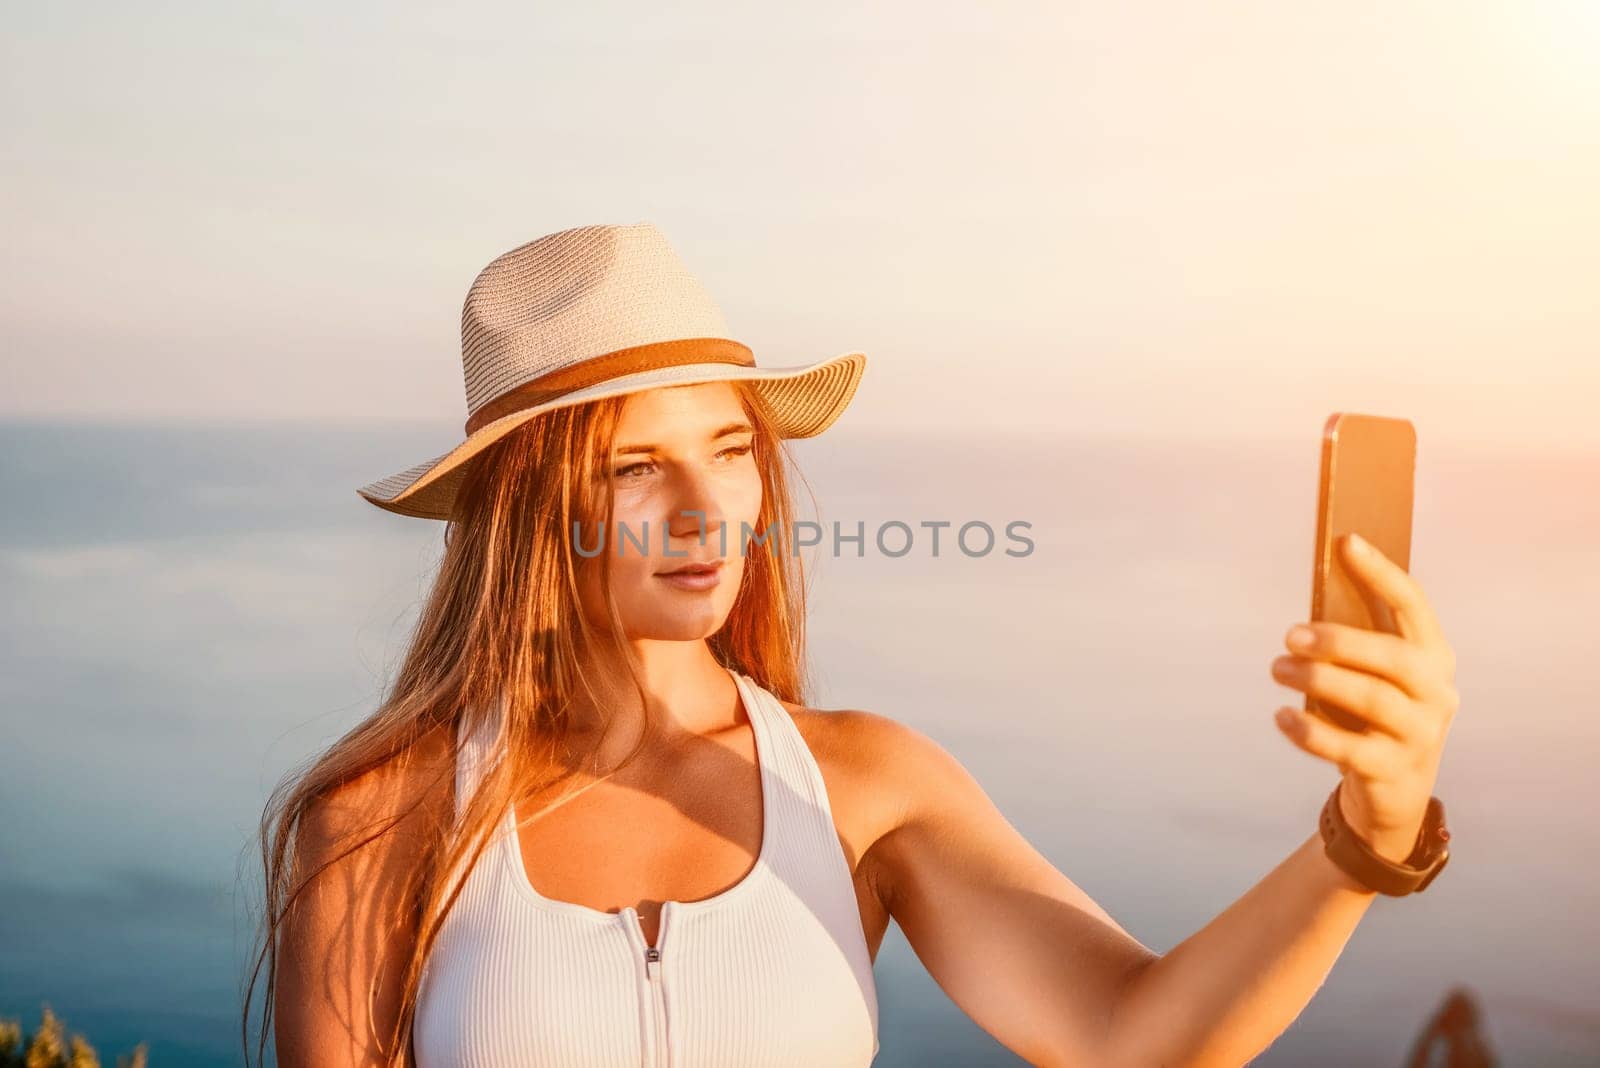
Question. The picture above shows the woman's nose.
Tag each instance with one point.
(696, 510)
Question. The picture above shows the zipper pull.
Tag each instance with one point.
(652, 961)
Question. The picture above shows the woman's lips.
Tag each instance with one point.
(701, 578)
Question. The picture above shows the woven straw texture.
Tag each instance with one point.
(555, 302)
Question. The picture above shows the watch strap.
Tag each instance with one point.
(1352, 854)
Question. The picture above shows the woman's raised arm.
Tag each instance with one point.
(1045, 970)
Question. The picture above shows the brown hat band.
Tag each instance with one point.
(603, 368)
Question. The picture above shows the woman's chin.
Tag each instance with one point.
(682, 623)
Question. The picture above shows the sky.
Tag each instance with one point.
(1142, 218)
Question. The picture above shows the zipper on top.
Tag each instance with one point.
(658, 1005)
(659, 1054)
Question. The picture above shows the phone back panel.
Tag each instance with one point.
(1368, 472)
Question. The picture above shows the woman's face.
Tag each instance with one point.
(686, 488)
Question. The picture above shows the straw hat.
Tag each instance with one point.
(591, 312)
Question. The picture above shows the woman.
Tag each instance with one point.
(594, 822)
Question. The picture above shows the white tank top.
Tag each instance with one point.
(773, 971)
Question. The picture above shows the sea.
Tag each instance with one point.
(190, 612)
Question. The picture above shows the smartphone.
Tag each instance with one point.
(1368, 472)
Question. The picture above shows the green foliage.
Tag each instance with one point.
(51, 1047)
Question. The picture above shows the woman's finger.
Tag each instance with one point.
(1416, 670)
(1391, 583)
(1367, 755)
(1373, 699)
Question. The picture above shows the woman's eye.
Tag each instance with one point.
(638, 470)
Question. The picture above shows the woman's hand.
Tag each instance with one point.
(1402, 685)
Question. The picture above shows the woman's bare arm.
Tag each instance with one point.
(344, 946)
(1041, 967)
(1019, 947)
(1229, 990)
(1034, 961)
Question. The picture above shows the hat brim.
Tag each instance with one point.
(805, 401)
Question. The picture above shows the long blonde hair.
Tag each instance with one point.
(502, 627)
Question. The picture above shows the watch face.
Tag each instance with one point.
(1432, 875)
(1437, 849)
(1434, 840)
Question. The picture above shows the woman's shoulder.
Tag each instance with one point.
(862, 742)
(851, 735)
(876, 768)
(354, 865)
(406, 790)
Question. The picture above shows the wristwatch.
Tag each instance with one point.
(1352, 854)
